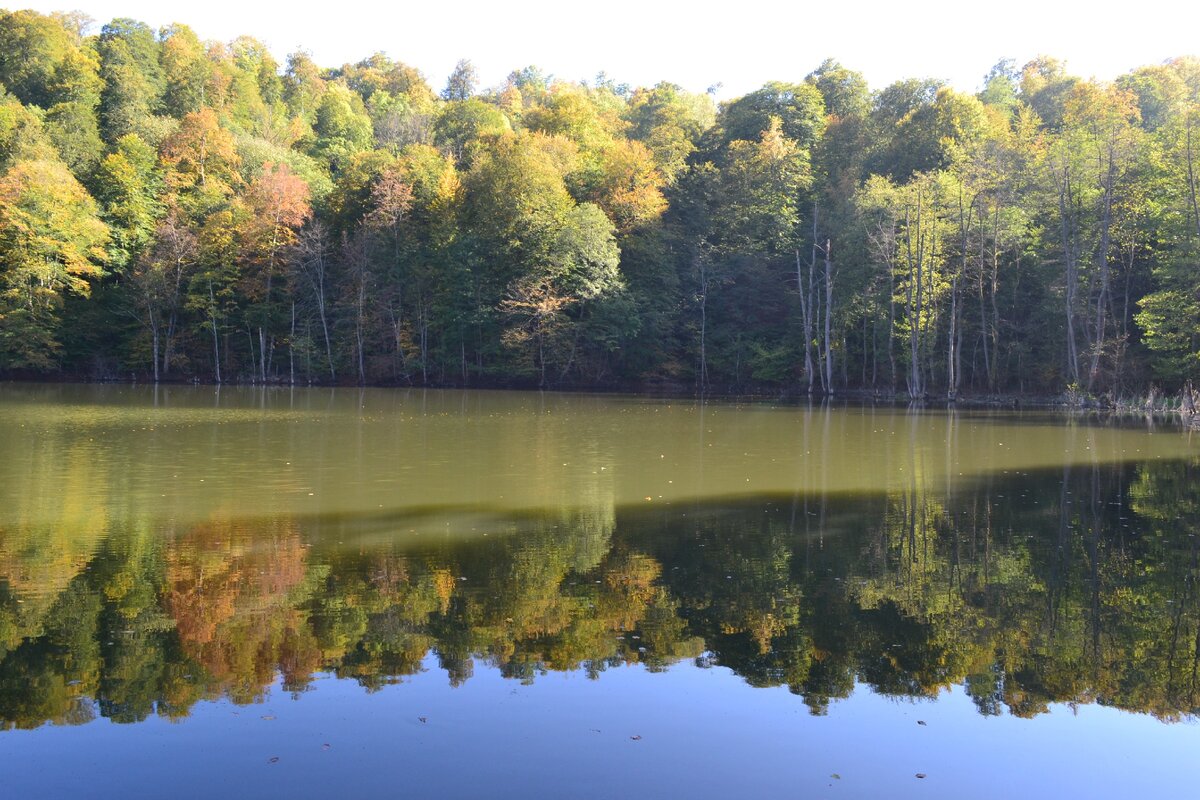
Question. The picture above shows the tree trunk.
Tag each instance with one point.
(358, 330)
(1072, 276)
(292, 349)
(828, 319)
(703, 325)
(168, 345)
(1102, 298)
(805, 314)
(1189, 155)
(952, 358)
(212, 305)
(154, 337)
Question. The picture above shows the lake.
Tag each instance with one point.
(348, 592)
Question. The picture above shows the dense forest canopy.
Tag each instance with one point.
(178, 209)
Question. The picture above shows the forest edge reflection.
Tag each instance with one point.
(1075, 585)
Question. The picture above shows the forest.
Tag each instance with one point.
(173, 209)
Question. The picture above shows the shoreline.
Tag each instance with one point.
(1152, 404)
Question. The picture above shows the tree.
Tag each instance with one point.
(391, 202)
(51, 243)
(133, 79)
(1088, 163)
(462, 81)
(42, 63)
(129, 188)
(277, 203)
(798, 107)
(202, 161)
(844, 91)
(159, 278)
(342, 127)
(186, 71)
(310, 264)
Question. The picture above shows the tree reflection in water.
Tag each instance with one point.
(1078, 585)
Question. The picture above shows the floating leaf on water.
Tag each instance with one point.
(272, 759)
(920, 774)
(920, 722)
(635, 738)
(836, 777)
(268, 716)
(423, 719)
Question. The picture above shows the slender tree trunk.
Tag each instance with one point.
(891, 331)
(966, 214)
(1102, 298)
(1072, 276)
(994, 377)
(253, 368)
(292, 349)
(828, 319)
(154, 337)
(541, 340)
(423, 308)
(805, 315)
(212, 305)
(169, 345)
(358, 329)
(1189, 155)
(916, 257)
(952, 358)
(984, 327)
(704, 337)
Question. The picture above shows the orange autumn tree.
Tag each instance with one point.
(278, 205)
(202, 161)
(235, 594)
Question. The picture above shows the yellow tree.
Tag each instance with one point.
(51, 243)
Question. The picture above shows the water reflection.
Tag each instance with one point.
(1071, 585)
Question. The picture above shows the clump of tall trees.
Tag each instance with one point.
(177, 209)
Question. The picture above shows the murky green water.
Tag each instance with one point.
(329, 593)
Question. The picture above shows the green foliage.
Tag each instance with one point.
(51, 243)
(129, 189)
(43, 63)
(756, 245)
(799, 108)
(342, 128)
(186, 71)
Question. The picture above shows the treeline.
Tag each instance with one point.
(175, 209)
(1083, 592)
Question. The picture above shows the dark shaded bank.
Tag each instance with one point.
(1172, 408)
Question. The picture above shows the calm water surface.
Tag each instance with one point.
(389, 593)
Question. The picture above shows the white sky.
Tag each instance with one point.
(695, 44)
